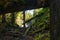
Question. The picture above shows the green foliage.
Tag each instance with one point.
(40, 24)
(19, 17)
(39, 29)
(28, 16)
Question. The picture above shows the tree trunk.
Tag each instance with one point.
(55, 19)
(24, 18)
(3, 18)
(13, 18)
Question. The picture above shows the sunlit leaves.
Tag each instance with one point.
(19, 17)
(8, 17)
(28, 16)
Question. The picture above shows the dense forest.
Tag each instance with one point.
(29, 19)
(36, 25)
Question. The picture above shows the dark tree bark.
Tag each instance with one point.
(13, 18)
(55, 19)
(3, 18)
(24, 18)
